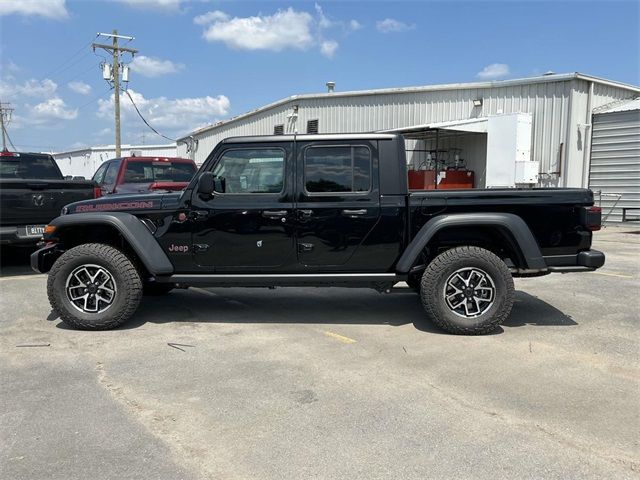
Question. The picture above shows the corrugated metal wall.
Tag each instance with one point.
(615, 161)
(557, 108)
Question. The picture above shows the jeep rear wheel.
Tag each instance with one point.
(467, 290)
(94, 287)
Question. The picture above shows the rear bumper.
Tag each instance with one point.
(584, 261)
(42, 260)
(17, 235)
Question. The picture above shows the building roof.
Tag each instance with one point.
(103, 148)
(425, 88)
(620, 106)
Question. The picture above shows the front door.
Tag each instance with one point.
(337, 202)
(249, 226)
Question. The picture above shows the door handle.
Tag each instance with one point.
(303, 213)
(354, 213)
(274, 213)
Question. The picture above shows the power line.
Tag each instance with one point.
(97, 97)
(60, 67)
(144, 120)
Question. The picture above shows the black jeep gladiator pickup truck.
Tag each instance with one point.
(315, 210)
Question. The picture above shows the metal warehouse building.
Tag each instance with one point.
(615, 158)
(524, 132)
(84, 162)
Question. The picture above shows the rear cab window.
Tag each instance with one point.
(138, 171)
(28, 166)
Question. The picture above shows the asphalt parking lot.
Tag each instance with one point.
(326, 383)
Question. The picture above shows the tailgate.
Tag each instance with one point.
(37, 202)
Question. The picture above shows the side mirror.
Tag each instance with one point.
(206, 183)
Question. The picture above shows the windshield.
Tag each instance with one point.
(147, 172)
(29, 166)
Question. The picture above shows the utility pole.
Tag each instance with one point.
(115, 50)
(5, 118)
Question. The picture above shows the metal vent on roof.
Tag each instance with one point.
(278, 130)
(312, 126)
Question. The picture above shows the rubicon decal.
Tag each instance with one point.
(105, 207)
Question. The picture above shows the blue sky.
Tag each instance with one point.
(203, 61)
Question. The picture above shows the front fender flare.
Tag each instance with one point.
(132, 230)
(519, 230)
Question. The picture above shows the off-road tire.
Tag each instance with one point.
(154, 289)
(434, 280)
(124, 273)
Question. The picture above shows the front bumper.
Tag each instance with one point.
(42, 260)
(585, 261)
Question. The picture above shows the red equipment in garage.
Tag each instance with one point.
(447, 179)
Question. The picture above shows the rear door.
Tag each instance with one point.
(337, 201)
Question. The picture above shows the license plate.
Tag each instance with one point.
(35, 230)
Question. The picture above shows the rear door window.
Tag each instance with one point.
(337, 169)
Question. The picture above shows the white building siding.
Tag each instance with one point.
(615, 162)
(558, 109)
(85, 162)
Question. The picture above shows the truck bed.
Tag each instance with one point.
(550, 213)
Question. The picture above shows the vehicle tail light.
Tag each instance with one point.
(6, 153)
(97, 192)
(591, 217)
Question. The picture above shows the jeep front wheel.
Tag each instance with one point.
(94, 287)
(467, 290)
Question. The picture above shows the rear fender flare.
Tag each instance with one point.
(135, 233)
(515, 225)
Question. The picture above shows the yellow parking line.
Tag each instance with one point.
(619, 275)
(340, 338)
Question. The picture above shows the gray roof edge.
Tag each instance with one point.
(560, 77)
(624, 105)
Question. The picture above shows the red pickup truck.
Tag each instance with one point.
(144, 174)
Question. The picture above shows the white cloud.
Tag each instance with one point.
(162, 5)
(328, 48)
(285, 29)
(390, 25)
(30, 88)
(49, 110)
(323, 20)
(355, 25)
(154, 67)
(55, 9)
(493, 71)
(180, 114)
(210, 17)
(79, 87)
(282, 30)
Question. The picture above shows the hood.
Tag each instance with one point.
(125, 203)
